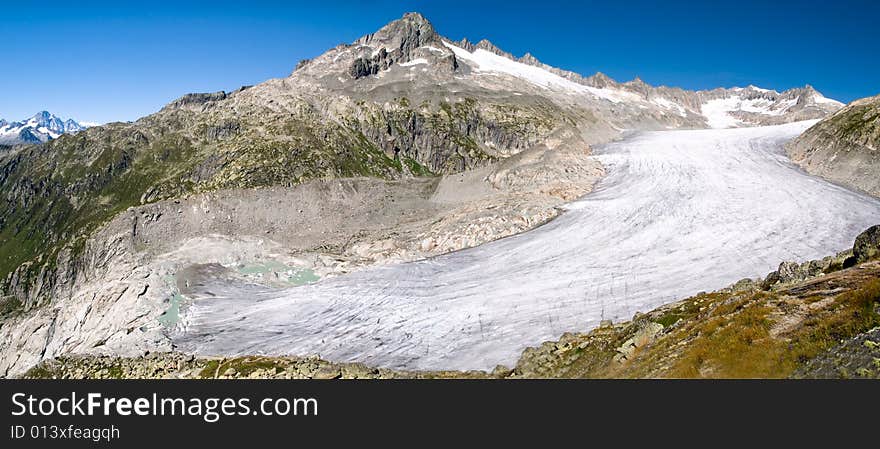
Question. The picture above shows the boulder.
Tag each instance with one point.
(645, 335)
(771, 280)
(867, 245)
(789, 271)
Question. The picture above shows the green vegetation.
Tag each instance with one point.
(858, 119)
(734, 337)
(733, 343)
(416, 168)
(10, 306)
(41, 371)
(669, 319)
(211, 370)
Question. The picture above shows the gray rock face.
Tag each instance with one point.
(789, 272)
(224, 130)
(302, 63)
(844, 147)
(485, 44)
(867, 245)
(197, 99)
(362, 67)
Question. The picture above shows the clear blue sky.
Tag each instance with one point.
(107, 61)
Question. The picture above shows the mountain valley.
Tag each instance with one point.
(373, 206)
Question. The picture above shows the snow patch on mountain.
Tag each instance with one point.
(717, 112)
(669, 104)
(416, 61)
(735, 108)
(484, 61)
(822, 99)
(487, 62)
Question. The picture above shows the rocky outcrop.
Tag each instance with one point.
(844, 147)
(398, 42)
(223, 130)
(197, 99)
(865, 248)
(789, 271)
(470, 133)
(867, 245)
(302, 63)
(102, 301)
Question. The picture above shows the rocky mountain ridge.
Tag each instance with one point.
(721, 107)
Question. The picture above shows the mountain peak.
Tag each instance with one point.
(42, 115)
(529, 59)
(397, 42)
(486, 45)
(637, 81)
(466, 44)
(41, 127)
(415, 17)
(600, 80)
(412, 28)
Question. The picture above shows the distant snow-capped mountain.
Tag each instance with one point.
(40, 128)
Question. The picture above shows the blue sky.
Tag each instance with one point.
(107, 61)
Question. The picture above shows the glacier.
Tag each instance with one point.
(679, 212)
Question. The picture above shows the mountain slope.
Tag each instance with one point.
(40, 128)
(844, 147)
(312, 125)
